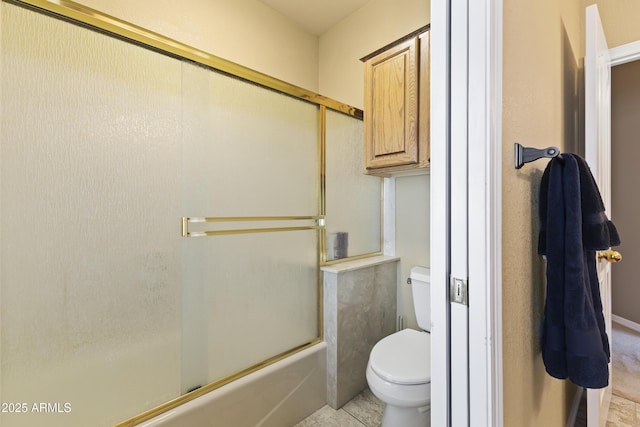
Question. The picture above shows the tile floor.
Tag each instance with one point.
(623, 412)
(364, 410)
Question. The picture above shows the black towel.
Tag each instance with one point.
(573, 226)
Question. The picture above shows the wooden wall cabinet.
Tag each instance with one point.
(396, 106)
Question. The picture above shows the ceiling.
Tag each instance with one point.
(315, 16)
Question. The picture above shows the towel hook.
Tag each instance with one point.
(524, 155)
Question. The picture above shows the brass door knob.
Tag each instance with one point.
(610, 256)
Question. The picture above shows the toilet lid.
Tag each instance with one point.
(403, 357)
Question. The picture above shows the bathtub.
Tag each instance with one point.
(278, 395)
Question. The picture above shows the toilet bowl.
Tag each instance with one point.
(399, 367)
(398, 373)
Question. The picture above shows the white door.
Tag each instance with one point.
(598, 154)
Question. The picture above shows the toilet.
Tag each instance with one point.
(399, 367)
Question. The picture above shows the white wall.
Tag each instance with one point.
(412, 236)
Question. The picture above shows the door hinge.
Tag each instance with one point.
(459, 291)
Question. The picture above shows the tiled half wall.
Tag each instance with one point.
(359, 310)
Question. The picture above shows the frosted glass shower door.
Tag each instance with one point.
(249, 154)
(106, 310)
(90, 282)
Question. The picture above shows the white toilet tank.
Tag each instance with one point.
(421, 289)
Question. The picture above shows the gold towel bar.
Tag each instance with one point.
(191, 220)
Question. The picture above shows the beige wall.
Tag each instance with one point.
(249, 33)
(542, 92)
(619, 20)
(543, 101)
(625, 151)
(376, 24)
(246, 32)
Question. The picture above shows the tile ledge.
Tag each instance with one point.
(358, 264)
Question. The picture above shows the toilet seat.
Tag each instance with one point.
(403, 358)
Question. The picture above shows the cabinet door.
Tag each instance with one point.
(391, 107)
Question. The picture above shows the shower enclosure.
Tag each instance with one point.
(162, 223)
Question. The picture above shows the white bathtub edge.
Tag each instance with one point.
(277, 395)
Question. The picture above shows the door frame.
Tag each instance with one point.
(479, 22)
(625, 53)
(485, 212)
